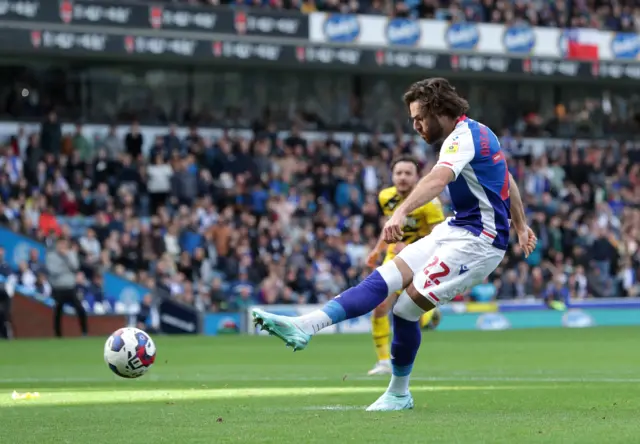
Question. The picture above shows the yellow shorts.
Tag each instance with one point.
(388, 257)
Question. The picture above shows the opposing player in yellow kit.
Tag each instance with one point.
(419, 223)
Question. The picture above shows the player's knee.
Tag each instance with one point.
(381, 310)
(405, 271)
(406, 307)
(419, 299)
(392, 275)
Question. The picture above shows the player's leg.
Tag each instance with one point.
(458, 264)
(426, 318)
(407, 337)
(388, 278)
(381, 332)
(381, 325)
(352, 303)
(431, 319)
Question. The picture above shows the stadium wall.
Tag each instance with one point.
(32, 318)
(492, 316)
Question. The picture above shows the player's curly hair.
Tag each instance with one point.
(437, 97)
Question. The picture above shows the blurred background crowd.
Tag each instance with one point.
(221, 223)
(272, 215)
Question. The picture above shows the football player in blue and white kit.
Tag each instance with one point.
(458, 254)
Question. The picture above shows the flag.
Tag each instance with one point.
(581, 44)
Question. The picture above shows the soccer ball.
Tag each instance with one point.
(129, 352)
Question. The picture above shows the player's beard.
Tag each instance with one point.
(434, 133)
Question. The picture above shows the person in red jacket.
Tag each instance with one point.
(48, 223)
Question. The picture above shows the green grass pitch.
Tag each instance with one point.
(533, 386)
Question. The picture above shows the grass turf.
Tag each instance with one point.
(535, 386)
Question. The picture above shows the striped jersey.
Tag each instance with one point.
(480, 191)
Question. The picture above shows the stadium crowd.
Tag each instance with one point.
(618, 15)
(224, 223)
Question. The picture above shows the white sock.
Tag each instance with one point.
(313, 322)
(399, 385)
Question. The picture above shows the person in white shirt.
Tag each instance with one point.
(159, 176)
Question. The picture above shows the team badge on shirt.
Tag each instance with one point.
(411, 222)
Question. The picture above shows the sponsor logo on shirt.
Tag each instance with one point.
(453, 148)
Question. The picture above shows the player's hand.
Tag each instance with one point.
(393, 228)
(372, 259)
(398, 247)
(527, 240)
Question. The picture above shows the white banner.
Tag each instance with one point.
(481, 38)
(357, 325)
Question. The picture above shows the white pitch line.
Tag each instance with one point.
(340, 408)
(200, 378)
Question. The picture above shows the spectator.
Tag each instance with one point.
(159, 180)
(144, 318)
(275, 219)
(51, 135)
(7, 285)
(62, 265)
(26, 277)
(112, 145)
(557, 291)
(134, 141)
(82, 145)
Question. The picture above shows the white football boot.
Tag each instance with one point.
(390, 402)
(381, 368)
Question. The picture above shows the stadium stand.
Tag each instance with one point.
(270, 215)
(233, 221)
(613, 16)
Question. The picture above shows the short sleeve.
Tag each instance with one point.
(456, 152)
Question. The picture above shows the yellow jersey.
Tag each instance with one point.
(419, 221)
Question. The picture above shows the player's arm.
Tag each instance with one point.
(517, 207)
(526, 237)
(429, 187)
(381, 245)
(455, 154)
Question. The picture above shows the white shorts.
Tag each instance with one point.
(448, 261)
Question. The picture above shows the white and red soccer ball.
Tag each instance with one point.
(129, 352)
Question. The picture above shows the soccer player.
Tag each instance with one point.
(405, 173)
(460, 252)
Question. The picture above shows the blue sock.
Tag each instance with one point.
(404, 348)
(358, 300)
